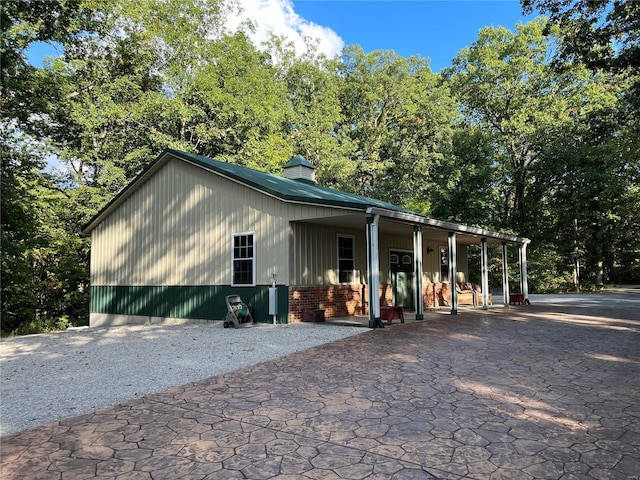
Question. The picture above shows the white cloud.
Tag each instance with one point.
(279, 18)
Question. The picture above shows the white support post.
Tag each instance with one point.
(373, 267)
(484, 266)
(505, 274)
(453, 272)
(524, 284)
(417, 252)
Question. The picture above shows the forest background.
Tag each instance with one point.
(533, 131)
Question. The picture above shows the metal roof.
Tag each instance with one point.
(291, 191)
(285, 188)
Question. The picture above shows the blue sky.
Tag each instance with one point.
(437, 30)
(434, 29)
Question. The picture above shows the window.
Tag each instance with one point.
(346, 263)
(243, 260)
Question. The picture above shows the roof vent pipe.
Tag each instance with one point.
(299, 168)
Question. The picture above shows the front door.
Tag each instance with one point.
(402, 276)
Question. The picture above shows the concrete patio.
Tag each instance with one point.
(545, 391)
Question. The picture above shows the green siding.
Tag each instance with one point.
(193, 302)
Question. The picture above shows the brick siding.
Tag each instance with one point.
(348, 300)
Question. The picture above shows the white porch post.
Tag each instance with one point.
(373, 268)
(524, 284)
(417, 252)
(505, 274)
(484, 266)
(453, 272)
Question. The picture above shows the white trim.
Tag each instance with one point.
(453, 271)
(353, 259)
(253, 259)
(484, 266)
(505, 275)
(524, 283)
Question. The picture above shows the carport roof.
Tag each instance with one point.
(293, 191)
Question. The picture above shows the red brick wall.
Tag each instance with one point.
(335, 300)
(347, 300)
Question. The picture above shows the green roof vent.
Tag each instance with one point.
(299, 168)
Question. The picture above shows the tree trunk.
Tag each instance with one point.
(599, 258)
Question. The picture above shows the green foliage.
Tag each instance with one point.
(602, 34)
(398, 118)
(465, 189)
(19, 172)
(314, 88)
(507, 89)
(44, 261)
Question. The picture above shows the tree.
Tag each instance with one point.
(19, 173)
(465, 186)
(602, 34)
(314, 86)
(399, 120)
(35, 288)
(506, 87)
(587, 184)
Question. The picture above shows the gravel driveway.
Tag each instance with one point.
(59, 375)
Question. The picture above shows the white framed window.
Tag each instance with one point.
(243, 260)
(346, 259)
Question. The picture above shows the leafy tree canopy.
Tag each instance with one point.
(602, 34)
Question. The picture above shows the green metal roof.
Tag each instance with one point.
(302, 191)
(284, 188)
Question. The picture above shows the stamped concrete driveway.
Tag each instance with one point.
(546, 391)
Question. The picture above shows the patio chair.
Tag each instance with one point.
(238, 313)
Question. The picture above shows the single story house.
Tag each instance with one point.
(190, 230)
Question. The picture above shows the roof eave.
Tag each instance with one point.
(418, 220)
